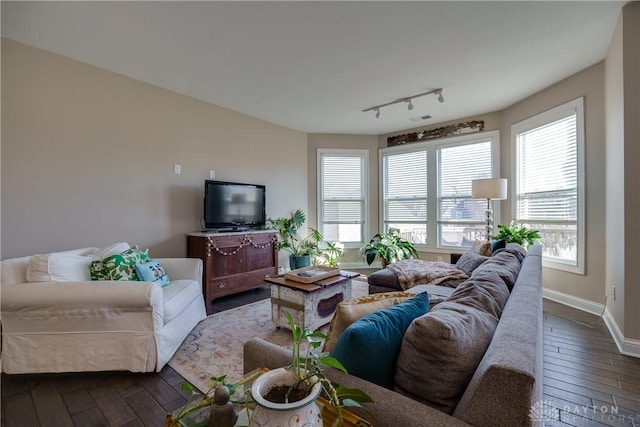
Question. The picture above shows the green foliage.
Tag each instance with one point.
(291, 242)
(390, 246)
(518, 233)
(310, 369)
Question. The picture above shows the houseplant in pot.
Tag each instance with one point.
(301, 249)
(518, 233)
(296, 387)
(390, 247)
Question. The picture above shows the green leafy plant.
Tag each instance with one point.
(290, 241)
(390, 247)
(518, 233)
(309, 369)
(330, 254)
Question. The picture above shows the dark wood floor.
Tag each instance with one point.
(586, 381)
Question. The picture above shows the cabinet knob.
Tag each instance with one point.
(222, 285)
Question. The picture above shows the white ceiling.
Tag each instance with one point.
(313, 66)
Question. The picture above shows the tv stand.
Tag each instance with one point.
(234, 261)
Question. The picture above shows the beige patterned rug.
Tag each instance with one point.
(214, 346)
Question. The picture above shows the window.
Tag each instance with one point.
(426, 189)
(549, 177)
(342, 204)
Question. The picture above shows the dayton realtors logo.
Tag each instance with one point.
(544, 410)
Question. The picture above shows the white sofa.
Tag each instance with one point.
(73, 326)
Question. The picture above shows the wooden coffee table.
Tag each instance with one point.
(311, 305)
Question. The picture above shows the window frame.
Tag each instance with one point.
(433, 183)
(549, 116)
(364, 158)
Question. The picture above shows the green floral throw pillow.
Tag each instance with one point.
(98, 272)
(122, 266)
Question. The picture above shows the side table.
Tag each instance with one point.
(311, 305)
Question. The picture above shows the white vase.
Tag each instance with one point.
(303, 413)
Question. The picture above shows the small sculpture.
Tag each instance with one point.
(223, 413)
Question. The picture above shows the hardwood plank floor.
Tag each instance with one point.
(587, 382)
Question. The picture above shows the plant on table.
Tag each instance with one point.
(390, 247)
(307, 372)
(518, 233)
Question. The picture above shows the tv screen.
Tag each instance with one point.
(232, 205)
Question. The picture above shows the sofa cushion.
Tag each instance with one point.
(506, 263)
(58, 267)
(441, 351)
(178, 295)
(152, 271)
(116, 248)
(469, 261)
(487, 293)
(350, 310)
(369, 347)
(384, 278)
(122, 266)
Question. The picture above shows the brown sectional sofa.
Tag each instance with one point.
(508, 378)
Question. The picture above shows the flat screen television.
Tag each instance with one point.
(231, 206)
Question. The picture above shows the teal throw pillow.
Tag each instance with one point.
(369, 347)
(152, 271)
(498, 244)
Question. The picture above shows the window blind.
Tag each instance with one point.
(405, 187)
(342, 197)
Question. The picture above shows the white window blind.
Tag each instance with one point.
(405, 194)
(461, 219)
(342, 195)
(548, 182)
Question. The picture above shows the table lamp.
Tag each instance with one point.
(490, 189)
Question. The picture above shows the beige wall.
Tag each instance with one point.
(631, 61)
(88, 155)
(615, 218)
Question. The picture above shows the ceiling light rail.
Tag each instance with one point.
(407, 100)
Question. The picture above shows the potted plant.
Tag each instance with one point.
(298, 386)
(301, 249)
(390, 247)
(518, 233)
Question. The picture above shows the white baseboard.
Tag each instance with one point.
(626, 346)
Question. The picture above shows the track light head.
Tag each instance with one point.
(410, 104)
(377, 110)
(440, 97)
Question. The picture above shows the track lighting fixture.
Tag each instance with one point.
(408, 99)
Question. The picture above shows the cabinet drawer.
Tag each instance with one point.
(226, 241)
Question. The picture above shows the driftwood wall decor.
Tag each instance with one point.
(441, 132)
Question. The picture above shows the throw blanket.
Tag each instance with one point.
(413, 272)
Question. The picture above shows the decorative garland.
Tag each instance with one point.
(441, 132)
(246, 241)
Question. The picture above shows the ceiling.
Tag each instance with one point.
(314, 66)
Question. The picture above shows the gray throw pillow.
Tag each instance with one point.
(469, 261)
(440, 352)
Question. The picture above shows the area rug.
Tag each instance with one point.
(214, 346)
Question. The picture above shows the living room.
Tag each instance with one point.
(89, 155)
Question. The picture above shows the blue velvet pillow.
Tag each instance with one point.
(498, 244)
(369, 347)
(152, 271)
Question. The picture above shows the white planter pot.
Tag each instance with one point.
(303, 413)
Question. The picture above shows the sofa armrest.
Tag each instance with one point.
(67, 296)
(182, 268)
(389, 407)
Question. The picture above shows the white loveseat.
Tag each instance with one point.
(73, 326)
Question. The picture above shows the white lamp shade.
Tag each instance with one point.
(493, 188)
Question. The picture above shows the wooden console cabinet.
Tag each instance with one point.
(233, 262)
